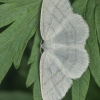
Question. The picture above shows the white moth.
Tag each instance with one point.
(64, 57)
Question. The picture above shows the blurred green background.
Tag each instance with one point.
(13, 86)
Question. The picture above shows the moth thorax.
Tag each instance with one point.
(47, 45)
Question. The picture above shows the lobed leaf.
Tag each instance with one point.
(36, 90)
(92, 45)
(10, 1)
(90, 11)
(11, 12)
(33, 75)
(34, 60)
(80, 87)
(97, 20)
(15, 38)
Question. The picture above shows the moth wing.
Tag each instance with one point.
(73, 59)
(53, 12)
(54, 82)
(73, 31)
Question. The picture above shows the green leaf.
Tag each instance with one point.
(15, 95)
(15, 38)
(34, 60)
(10, 1)
(7, 1)
(11, 12)
(87, 9)
(97, 19)
(80, 87)
(33, 75)
(92, 45)
(90, 11)
(36, 90)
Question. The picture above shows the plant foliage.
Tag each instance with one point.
(90, 10)
(23, 18)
